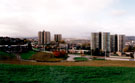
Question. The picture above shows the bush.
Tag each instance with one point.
(80, 59)
(60, 54)
(45, 57)
(132, 55)
(115, 55)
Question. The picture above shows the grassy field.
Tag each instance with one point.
(4, 55)
(27, 55)
(63, 74)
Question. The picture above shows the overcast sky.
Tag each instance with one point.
(71, 18)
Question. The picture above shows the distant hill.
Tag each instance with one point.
(130, 38)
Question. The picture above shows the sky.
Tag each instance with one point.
(71, 18)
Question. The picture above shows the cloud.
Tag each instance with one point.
(69, 17)
(120, 26)
(118, 12)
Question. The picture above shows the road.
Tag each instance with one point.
(120, 59)
(72, 56)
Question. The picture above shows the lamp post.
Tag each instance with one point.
(91, 52)
(105, 54)
(44, 47)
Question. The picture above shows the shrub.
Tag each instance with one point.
(45, 57)
(56, 53)
(60, 54)
(115, 55)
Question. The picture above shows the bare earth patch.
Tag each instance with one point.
(97, 63)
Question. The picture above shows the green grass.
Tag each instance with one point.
(27, 55)
(98, 59)
(80, 59)
(4, 55)
(36, 49)
(62, 74)
(115, 55)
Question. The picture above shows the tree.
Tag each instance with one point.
(125, 49)
(96, 52)
(29, 46)
(129, 49)
(62, 42)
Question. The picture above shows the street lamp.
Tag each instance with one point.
(105, 54)
(91, 52)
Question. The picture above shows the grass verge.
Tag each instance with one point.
(27, 55)
(80, 59)
(4, 55)
(98, 59)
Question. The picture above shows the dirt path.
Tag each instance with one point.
(98, 63)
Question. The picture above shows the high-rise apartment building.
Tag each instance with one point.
(106, 41)
(47, 37)
(121, 43)
(94, 41)
(39, 38)
(100, 41)
(117, 43)
(114, 43)
(57, 37)
(44, 37)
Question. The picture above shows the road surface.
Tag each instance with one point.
(72, 56)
